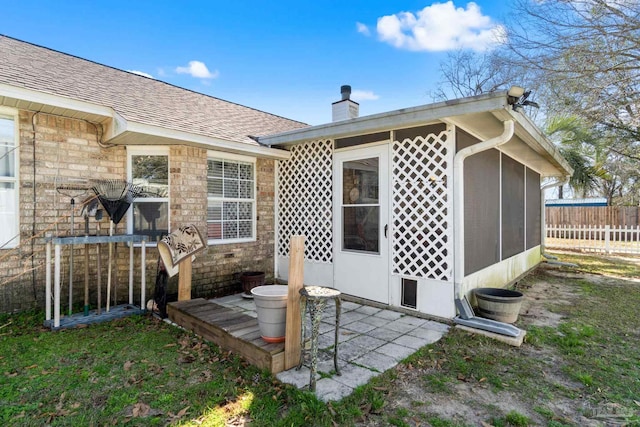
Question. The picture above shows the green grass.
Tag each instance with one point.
(142, 372)
(139, 371)
(597, 349)
(604, 265)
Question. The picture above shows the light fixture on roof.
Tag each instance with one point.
(517, 97)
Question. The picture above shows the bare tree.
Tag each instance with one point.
(585, 55)
(468, 73)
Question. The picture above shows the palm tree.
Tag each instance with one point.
(582, 149)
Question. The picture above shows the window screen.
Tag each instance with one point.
(512, 207)
(151, 208)
(534, 216)
(481, 206)
(230, 200)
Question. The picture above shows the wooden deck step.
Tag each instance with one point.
(229, 329)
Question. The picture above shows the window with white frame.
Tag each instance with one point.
(148, 167)
(231, 203)
(9, 218)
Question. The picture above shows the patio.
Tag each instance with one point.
(372, 340)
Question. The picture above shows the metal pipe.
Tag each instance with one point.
(458, 198)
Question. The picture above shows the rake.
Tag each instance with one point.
(72, 188)
(115, 196)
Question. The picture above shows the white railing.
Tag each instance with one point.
(589, 238)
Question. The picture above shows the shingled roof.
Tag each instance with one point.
(135, 98)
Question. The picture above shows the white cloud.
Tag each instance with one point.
(197, 69)
(363, 29)
(441, 27)
(364, 95)
(141, 73)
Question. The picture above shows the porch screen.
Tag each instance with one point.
(481, 206)
(533, 209)
(512, 207)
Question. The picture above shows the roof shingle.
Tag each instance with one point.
(136, 98)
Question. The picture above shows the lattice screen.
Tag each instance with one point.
(305, 200)
(422, 170)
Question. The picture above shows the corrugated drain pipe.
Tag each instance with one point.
(458, 199)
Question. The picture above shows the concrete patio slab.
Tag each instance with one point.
(371, 340)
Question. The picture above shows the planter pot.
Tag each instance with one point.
(250, 280)
(498, 304)
(271, 306)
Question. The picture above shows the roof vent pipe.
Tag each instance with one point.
(345, 91)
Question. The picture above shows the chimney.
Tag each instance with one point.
(344, 109)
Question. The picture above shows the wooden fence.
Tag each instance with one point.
(591, 238)
(615, 216)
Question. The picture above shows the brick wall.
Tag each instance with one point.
(68, 148)
(224, 262)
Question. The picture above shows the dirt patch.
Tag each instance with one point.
(535, 308)
(473, 403)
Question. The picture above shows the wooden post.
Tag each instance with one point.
(184, 280)
(296, 279)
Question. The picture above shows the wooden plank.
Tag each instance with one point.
(214, 317)
(277, 363)
(242, 324)
(252, 327)
(249, 352)
(184, 280)
(296, 280)
(250, 336)
(253, 349)
(191, 303)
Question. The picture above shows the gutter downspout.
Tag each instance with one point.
(458, 199)
(557, 183)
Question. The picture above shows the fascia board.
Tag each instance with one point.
(536, 139)
(35, 96)
(172, 136)
(406, 117)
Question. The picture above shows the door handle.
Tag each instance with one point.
(386, 228)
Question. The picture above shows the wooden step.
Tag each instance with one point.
(231, 330)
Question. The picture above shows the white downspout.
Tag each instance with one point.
(543, 230)
(458, 199)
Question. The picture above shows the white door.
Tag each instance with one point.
(361, 222)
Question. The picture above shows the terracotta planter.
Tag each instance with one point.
(250, 280)
(271, 306)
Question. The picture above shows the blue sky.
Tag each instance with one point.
(285, 57)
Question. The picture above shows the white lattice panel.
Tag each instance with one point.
(422, 238)
(305, 200)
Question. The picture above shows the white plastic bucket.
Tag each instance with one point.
(271, 306)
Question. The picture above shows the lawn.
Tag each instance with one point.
(582, 367)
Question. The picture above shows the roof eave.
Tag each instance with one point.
(143, 134)
(534, 138)
(32, 100)
(406, 117)
(118, 130)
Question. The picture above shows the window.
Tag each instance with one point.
(9, 218)
(231, 201)
(149, 212)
